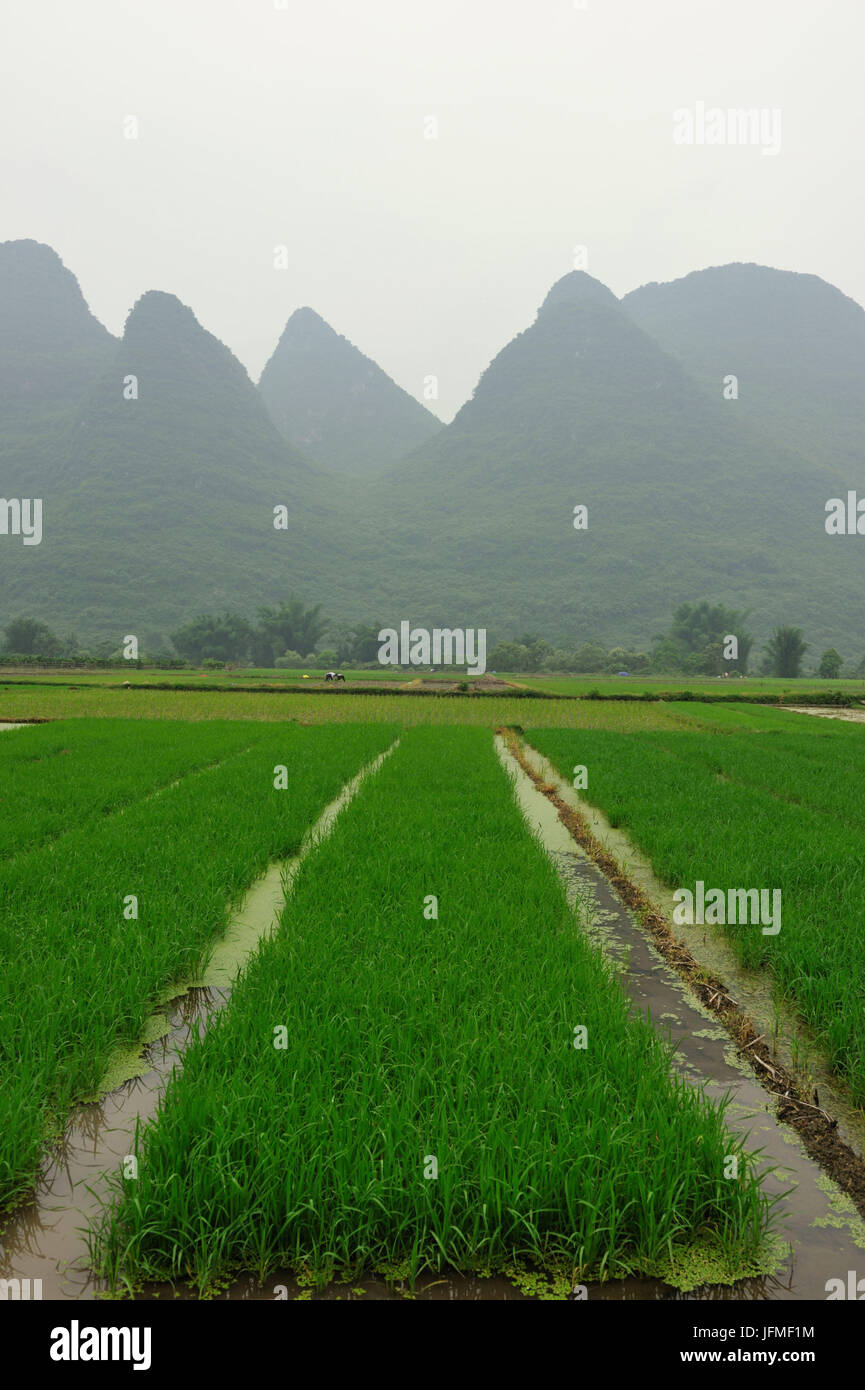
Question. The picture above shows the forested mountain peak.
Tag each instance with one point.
(41, 304)
(329, 399)
(574, 290)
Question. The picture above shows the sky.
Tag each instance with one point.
(420, 172)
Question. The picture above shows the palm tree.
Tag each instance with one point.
(785, 650)
(291, 626)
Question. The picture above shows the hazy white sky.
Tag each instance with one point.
(302, 123)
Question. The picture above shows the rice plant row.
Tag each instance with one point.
(768, 811)
(58, 775)
(428, 1066)
(94, 927)
(819, 764)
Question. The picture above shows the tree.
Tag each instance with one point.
(509, 656)
(590, 657)
(356, 645)
(558, 660)
(212, 637)
(701, 630)
(104, 650)
(830, 664)
(785, 650)
(616, 660)
(667, 656)
(153, 640)
(712, 659)
(30, 637)
(621, 659)
(290, 626)
(537, 650)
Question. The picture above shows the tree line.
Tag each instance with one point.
(697, 643)
(291, 634)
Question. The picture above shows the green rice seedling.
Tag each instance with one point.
(96, 926)
(400, 1080)
(780, 809)
(56, 776)
(820, 765)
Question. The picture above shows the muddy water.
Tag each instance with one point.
(454, 1287)
(856, 716)
(819, 1225)
(46, 1238)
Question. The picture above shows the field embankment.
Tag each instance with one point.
(40, 702)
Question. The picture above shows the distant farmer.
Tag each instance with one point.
(334, 676)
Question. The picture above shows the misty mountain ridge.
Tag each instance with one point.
(163, 469)
(585, 408)
(51, 350)
(795, 343)
(163, 496)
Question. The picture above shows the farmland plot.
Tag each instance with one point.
(821, 767)
(98, 924)
(59, 775)
(742, 811)
(428, 1066)
(308, 706)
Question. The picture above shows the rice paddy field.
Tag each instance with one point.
(779, 810)
(310, 707)
(428, 1106)
(78, 972)
(67, 700)
(430, 1064)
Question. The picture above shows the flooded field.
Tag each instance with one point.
(854, 716)
(379, 901)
